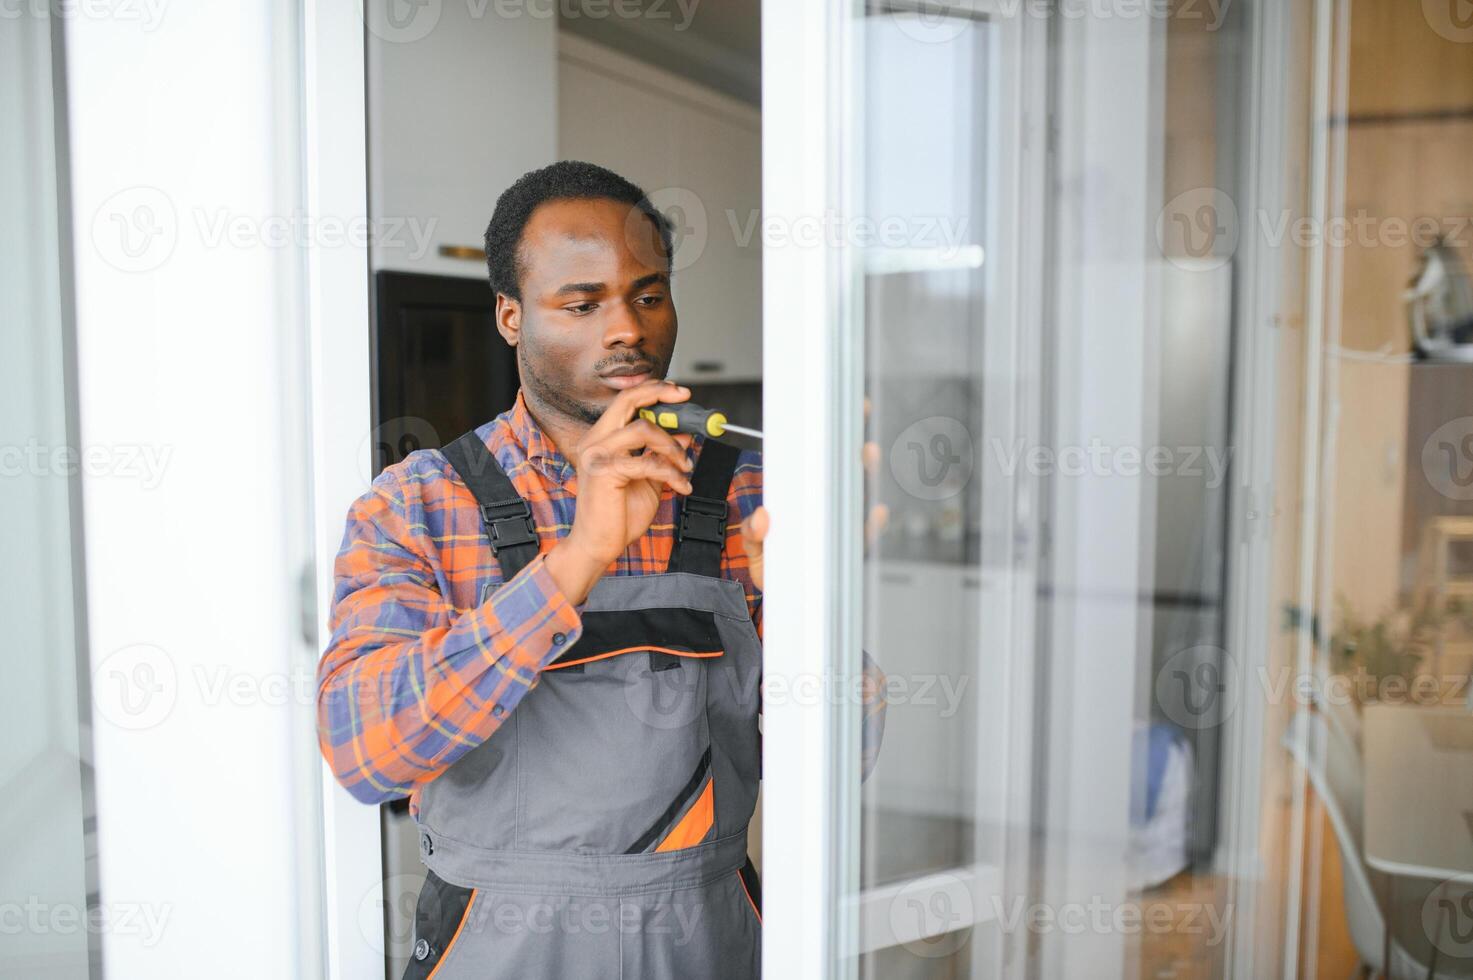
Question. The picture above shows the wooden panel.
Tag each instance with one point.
(1399, 63)
(1408, 144)
(1368, 484)
(1396, 174)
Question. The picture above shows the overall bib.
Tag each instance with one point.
(602, 830)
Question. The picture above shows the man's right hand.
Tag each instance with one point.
(618, 491)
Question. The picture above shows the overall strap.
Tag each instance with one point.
(700, 530)
(507, 517)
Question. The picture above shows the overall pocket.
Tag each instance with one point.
(614, 738)
(440, 915)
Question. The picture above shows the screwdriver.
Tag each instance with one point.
(692, 418)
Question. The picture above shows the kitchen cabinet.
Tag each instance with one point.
(698, 154)
(463, 102)
(924, 631)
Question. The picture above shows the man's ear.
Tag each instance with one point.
(508, 318)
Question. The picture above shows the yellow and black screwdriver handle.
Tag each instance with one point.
(685, 417)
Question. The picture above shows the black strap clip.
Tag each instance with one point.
(703, 519)
(509, 523)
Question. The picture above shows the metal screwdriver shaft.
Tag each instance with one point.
(743, 430)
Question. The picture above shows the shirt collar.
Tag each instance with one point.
(541, 451)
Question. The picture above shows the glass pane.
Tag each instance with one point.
(1099, 459)
(48, 886)
(1389, 733)
(929, 831)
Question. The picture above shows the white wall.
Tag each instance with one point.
(698, 155)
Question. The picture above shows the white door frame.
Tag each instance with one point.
(803, 604)
(1104, 332)
(1255, 768)
(336, 146)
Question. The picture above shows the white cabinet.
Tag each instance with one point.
(461, 102)
(924, 634)
(698, 154)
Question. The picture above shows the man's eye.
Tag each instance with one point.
(654, 299)
(581, 308)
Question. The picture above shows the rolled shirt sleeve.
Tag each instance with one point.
(408, 684)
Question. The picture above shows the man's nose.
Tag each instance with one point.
(623, 327)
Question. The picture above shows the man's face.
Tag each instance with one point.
(596, 314)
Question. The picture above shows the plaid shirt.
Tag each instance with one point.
(419, 670)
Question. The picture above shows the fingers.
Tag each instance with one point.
(754, 533)
(755, 525)
(651, 468)
(643, 435)
(874, 523)
(627, 403)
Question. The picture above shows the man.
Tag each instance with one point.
(547, 635)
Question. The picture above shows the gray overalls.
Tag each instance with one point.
(602, 830)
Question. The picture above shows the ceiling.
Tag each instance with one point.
(715, 42)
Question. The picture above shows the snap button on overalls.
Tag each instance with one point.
(602, 830)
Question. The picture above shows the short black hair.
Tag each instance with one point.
(564, 180)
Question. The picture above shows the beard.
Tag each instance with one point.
(555, 392)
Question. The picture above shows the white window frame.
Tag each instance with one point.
(813, 920)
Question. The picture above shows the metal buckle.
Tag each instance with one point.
(703, 519)
(509, 524)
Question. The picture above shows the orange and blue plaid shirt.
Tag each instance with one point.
(419, 670)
